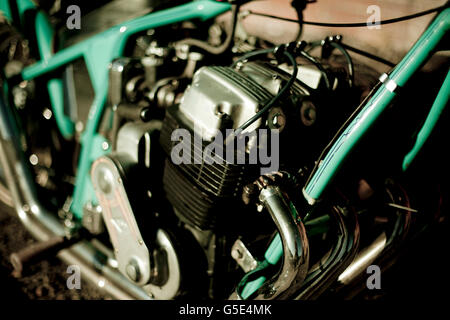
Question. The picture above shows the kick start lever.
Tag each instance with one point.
(39, 251)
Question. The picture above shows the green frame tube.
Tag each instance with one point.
(98, 52)
(432, 118)
(345, 144)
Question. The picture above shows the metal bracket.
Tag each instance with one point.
(130, 249)
(311, 201)
(93, 219)
(390, 84)
(243, 257)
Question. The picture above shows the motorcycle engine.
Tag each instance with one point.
(202, 207)
(222, 98)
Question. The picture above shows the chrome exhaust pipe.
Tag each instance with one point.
(362, 260)
(324, 273)
(295, 248)
(42, 225)
(384, 245)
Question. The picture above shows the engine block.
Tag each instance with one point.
(219, 98)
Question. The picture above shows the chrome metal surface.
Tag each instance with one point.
(295, 247)
(219, 92)
(389, 240)
(363, 259)
(169, 277)
(326, 271)
(243, 257)
(130, 249)
(5, 197)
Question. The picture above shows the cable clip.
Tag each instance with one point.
(327, 49)
(390, 84)
(293, 48)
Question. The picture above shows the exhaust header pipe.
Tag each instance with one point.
(295, 248)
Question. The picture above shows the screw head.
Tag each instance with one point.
(278, 121)
(308, 113)
(132, 270)
(105, 145)
(145, 114)
(237, 254)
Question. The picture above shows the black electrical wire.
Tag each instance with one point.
(300, 27)
(253, 54)
(224, 46)
(363, 53)
(368, 55)
(351, 73)
(354, 25)
(276, 97)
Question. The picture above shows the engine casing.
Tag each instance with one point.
(220, 98)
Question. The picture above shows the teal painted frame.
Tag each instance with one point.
(419, 54)
(410, 64)
(98, 52)
(112, 42)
